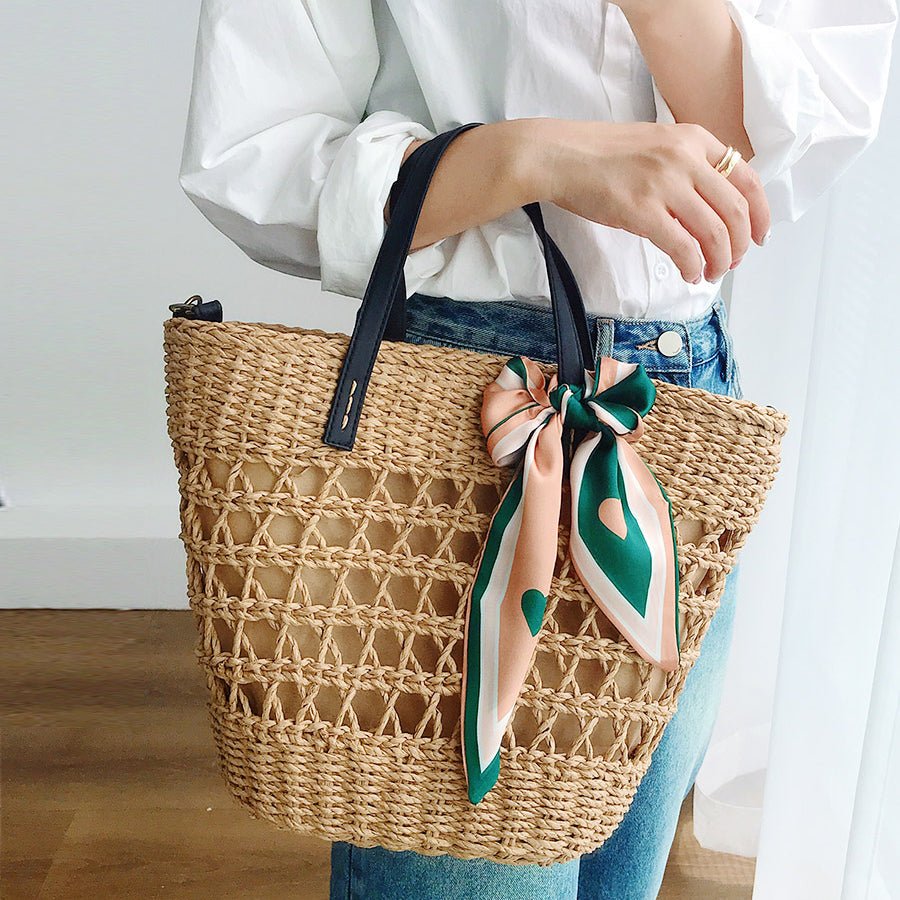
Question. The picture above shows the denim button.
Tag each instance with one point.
(669, 343)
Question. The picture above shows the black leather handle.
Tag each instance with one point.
(383, 306)
(574, 352)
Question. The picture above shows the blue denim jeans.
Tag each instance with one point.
(631, 863)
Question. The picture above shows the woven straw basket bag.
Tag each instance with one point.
(329, 576)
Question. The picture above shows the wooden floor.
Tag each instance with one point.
(109, 785)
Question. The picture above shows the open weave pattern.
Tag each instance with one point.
(329, 588)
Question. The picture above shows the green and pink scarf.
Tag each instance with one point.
(622, 542)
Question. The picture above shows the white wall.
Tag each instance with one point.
(97, 239)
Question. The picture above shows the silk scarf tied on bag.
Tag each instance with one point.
(621, 545)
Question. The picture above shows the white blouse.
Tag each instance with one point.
(301, 110)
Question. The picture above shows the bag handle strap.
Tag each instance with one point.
(384, 300)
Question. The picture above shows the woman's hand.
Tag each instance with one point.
(655, 180)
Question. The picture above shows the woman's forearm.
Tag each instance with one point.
(693, 50)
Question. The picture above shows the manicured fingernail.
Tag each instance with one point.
(697, 280)
(736, 263)
(765, 238)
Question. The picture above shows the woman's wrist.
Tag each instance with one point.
(493, 169)
(532, 149)
(525, 152)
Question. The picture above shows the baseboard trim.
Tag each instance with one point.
(91, 557)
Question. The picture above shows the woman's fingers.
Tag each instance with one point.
(729, 206)
(745, 179)
(709, 228)
(674, 240)
(723, 214)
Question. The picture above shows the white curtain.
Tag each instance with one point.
(804, 768)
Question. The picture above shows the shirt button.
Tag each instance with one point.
(661, 270)
(669, 343)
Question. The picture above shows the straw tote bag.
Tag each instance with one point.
(337, 499)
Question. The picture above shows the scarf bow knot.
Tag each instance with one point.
(621, 545)
(597, 412)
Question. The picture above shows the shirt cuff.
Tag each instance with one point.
(351, 222)
(782, 99)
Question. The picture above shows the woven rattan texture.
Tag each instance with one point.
(328, 588)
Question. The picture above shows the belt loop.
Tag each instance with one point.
(720, 311)
(604, 338)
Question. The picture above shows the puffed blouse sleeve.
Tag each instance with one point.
(815, 75)
(279, 153)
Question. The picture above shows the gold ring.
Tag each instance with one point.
(727, 163)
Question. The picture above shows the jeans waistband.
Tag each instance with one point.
(512, 327)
